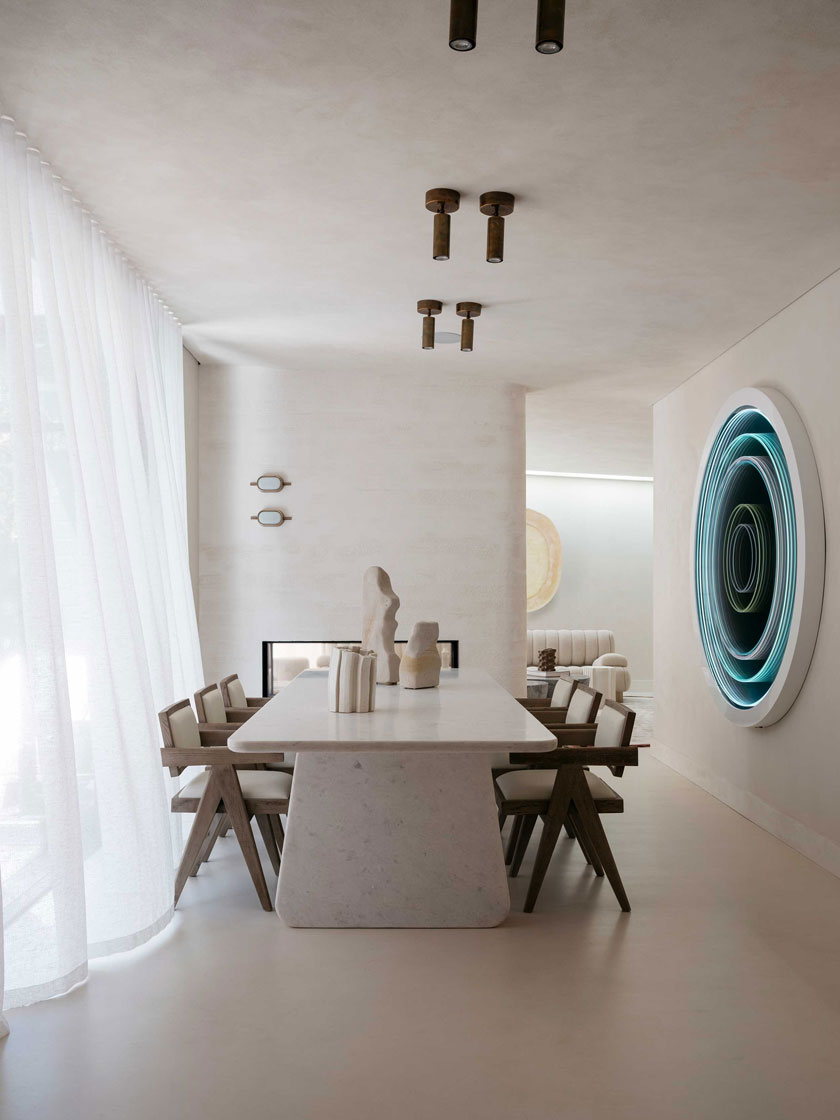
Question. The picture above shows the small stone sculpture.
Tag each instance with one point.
(547, 660)
(420, 665)
(352, 680)
(379, 623)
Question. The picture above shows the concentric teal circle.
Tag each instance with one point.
(745, 557)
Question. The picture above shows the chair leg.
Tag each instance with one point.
(502, 819)
(558, 810)
(595, 830)
(277, 828)
(570, 828)
(528, 823)
(209, 842)
(226, 829)
(515, 829)
(204, 815)
(235, 808)
(267, 833)
(586, 846)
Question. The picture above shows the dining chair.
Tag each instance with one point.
(559, 788)
(228, 790)
(560, 697)
(233, 694)
(211, 707)
(581, 710)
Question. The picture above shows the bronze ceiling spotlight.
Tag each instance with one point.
(497, 205)
(468, 312)
(429, 307)
(442, 201)
(463, 17)
(551, 15)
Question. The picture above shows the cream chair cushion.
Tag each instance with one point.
(622, 673)
(236, 692)
(579, 707)
(536, 785)
(183, 727)
(562, 693)
(611, 726)
(214, 706)
(269, 784)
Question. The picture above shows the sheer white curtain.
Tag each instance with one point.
(97, 623)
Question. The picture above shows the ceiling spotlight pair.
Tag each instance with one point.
(551, 14)
(468, 311)
(496, 205)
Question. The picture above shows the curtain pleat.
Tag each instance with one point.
(98, 621)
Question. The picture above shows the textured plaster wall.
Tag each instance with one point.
(785, 777)
(425, 479)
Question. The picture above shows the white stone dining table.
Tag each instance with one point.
(392, 819)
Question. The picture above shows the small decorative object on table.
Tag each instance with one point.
(352, 680)
(420, 665)
(380, 604)
(546, 660)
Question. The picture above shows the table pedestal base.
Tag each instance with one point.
(392, 839)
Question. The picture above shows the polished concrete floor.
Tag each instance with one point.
(717, 997)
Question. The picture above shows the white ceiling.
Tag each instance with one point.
(265, 164)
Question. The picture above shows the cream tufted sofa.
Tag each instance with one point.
(578, 651)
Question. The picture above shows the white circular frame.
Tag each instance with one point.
(810, 556)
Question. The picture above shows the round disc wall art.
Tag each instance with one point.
(544, 558)
(759, 556)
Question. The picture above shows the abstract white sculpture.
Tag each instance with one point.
(380, 604)
(352, 680)
(420, 665)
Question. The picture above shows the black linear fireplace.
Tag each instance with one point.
(282, 661)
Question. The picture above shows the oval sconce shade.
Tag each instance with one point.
(759, 556)
(543, 558)
(271, 517)
(270, 482)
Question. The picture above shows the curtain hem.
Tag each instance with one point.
(23, 997)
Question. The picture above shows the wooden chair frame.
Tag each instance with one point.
(252, 701)
(234, 715)
(571, 804)
(222, 802)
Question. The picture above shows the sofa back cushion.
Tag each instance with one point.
(574, 647)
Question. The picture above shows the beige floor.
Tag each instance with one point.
(718, 997)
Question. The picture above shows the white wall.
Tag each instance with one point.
(191, 443)
(785, 777)
(606, 529)
(425, 479)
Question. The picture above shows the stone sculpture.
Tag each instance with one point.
(380, 604)
(420, 666)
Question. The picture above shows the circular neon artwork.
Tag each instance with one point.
(759, 556)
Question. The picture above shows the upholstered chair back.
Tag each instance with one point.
(574, 647)
(615, 725)
(580, 706)
(236, 693)
(210, 705)
(183, 727)
(563, 692)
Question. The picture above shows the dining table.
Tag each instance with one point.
(392, 819)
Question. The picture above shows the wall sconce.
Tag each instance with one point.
(429, 307)
(442, 201)
(497, 205)
(270, 482)
(271, 517)
(467, 311)
(463, 17)
(551, 15)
